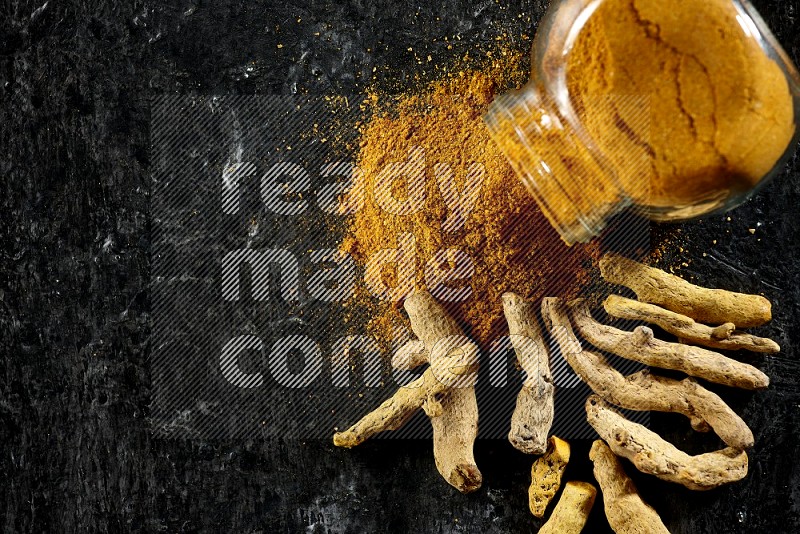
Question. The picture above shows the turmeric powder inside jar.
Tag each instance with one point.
(670, 105)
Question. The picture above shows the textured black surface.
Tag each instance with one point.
(77, 453)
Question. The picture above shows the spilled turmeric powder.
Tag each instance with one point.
(509, 245)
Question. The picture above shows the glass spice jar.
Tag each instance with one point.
(677, 108)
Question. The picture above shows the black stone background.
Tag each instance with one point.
(76, 448)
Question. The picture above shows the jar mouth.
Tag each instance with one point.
(562, 173)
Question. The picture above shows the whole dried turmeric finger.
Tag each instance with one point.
(393, 412)
(445, 391)
(653, 455)
(625, 510)
(686, 328)
(642, 346)
(710, 306)
(533, 414)
(546, 473)
(572, 510)
(643, 390)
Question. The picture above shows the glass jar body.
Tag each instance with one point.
(677, 107)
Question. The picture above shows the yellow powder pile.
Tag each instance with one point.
(510, 244)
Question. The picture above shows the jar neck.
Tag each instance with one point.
(576, 189)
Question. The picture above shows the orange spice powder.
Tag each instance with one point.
(510, 244)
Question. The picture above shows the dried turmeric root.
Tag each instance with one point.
(533, 414)
(721, 337)
(546, 474)
(573, 508)
(643, 390)
(410, 356)
(710, 306)
(626, 512)
(642, 346)
(655, 456)
(445, 391)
